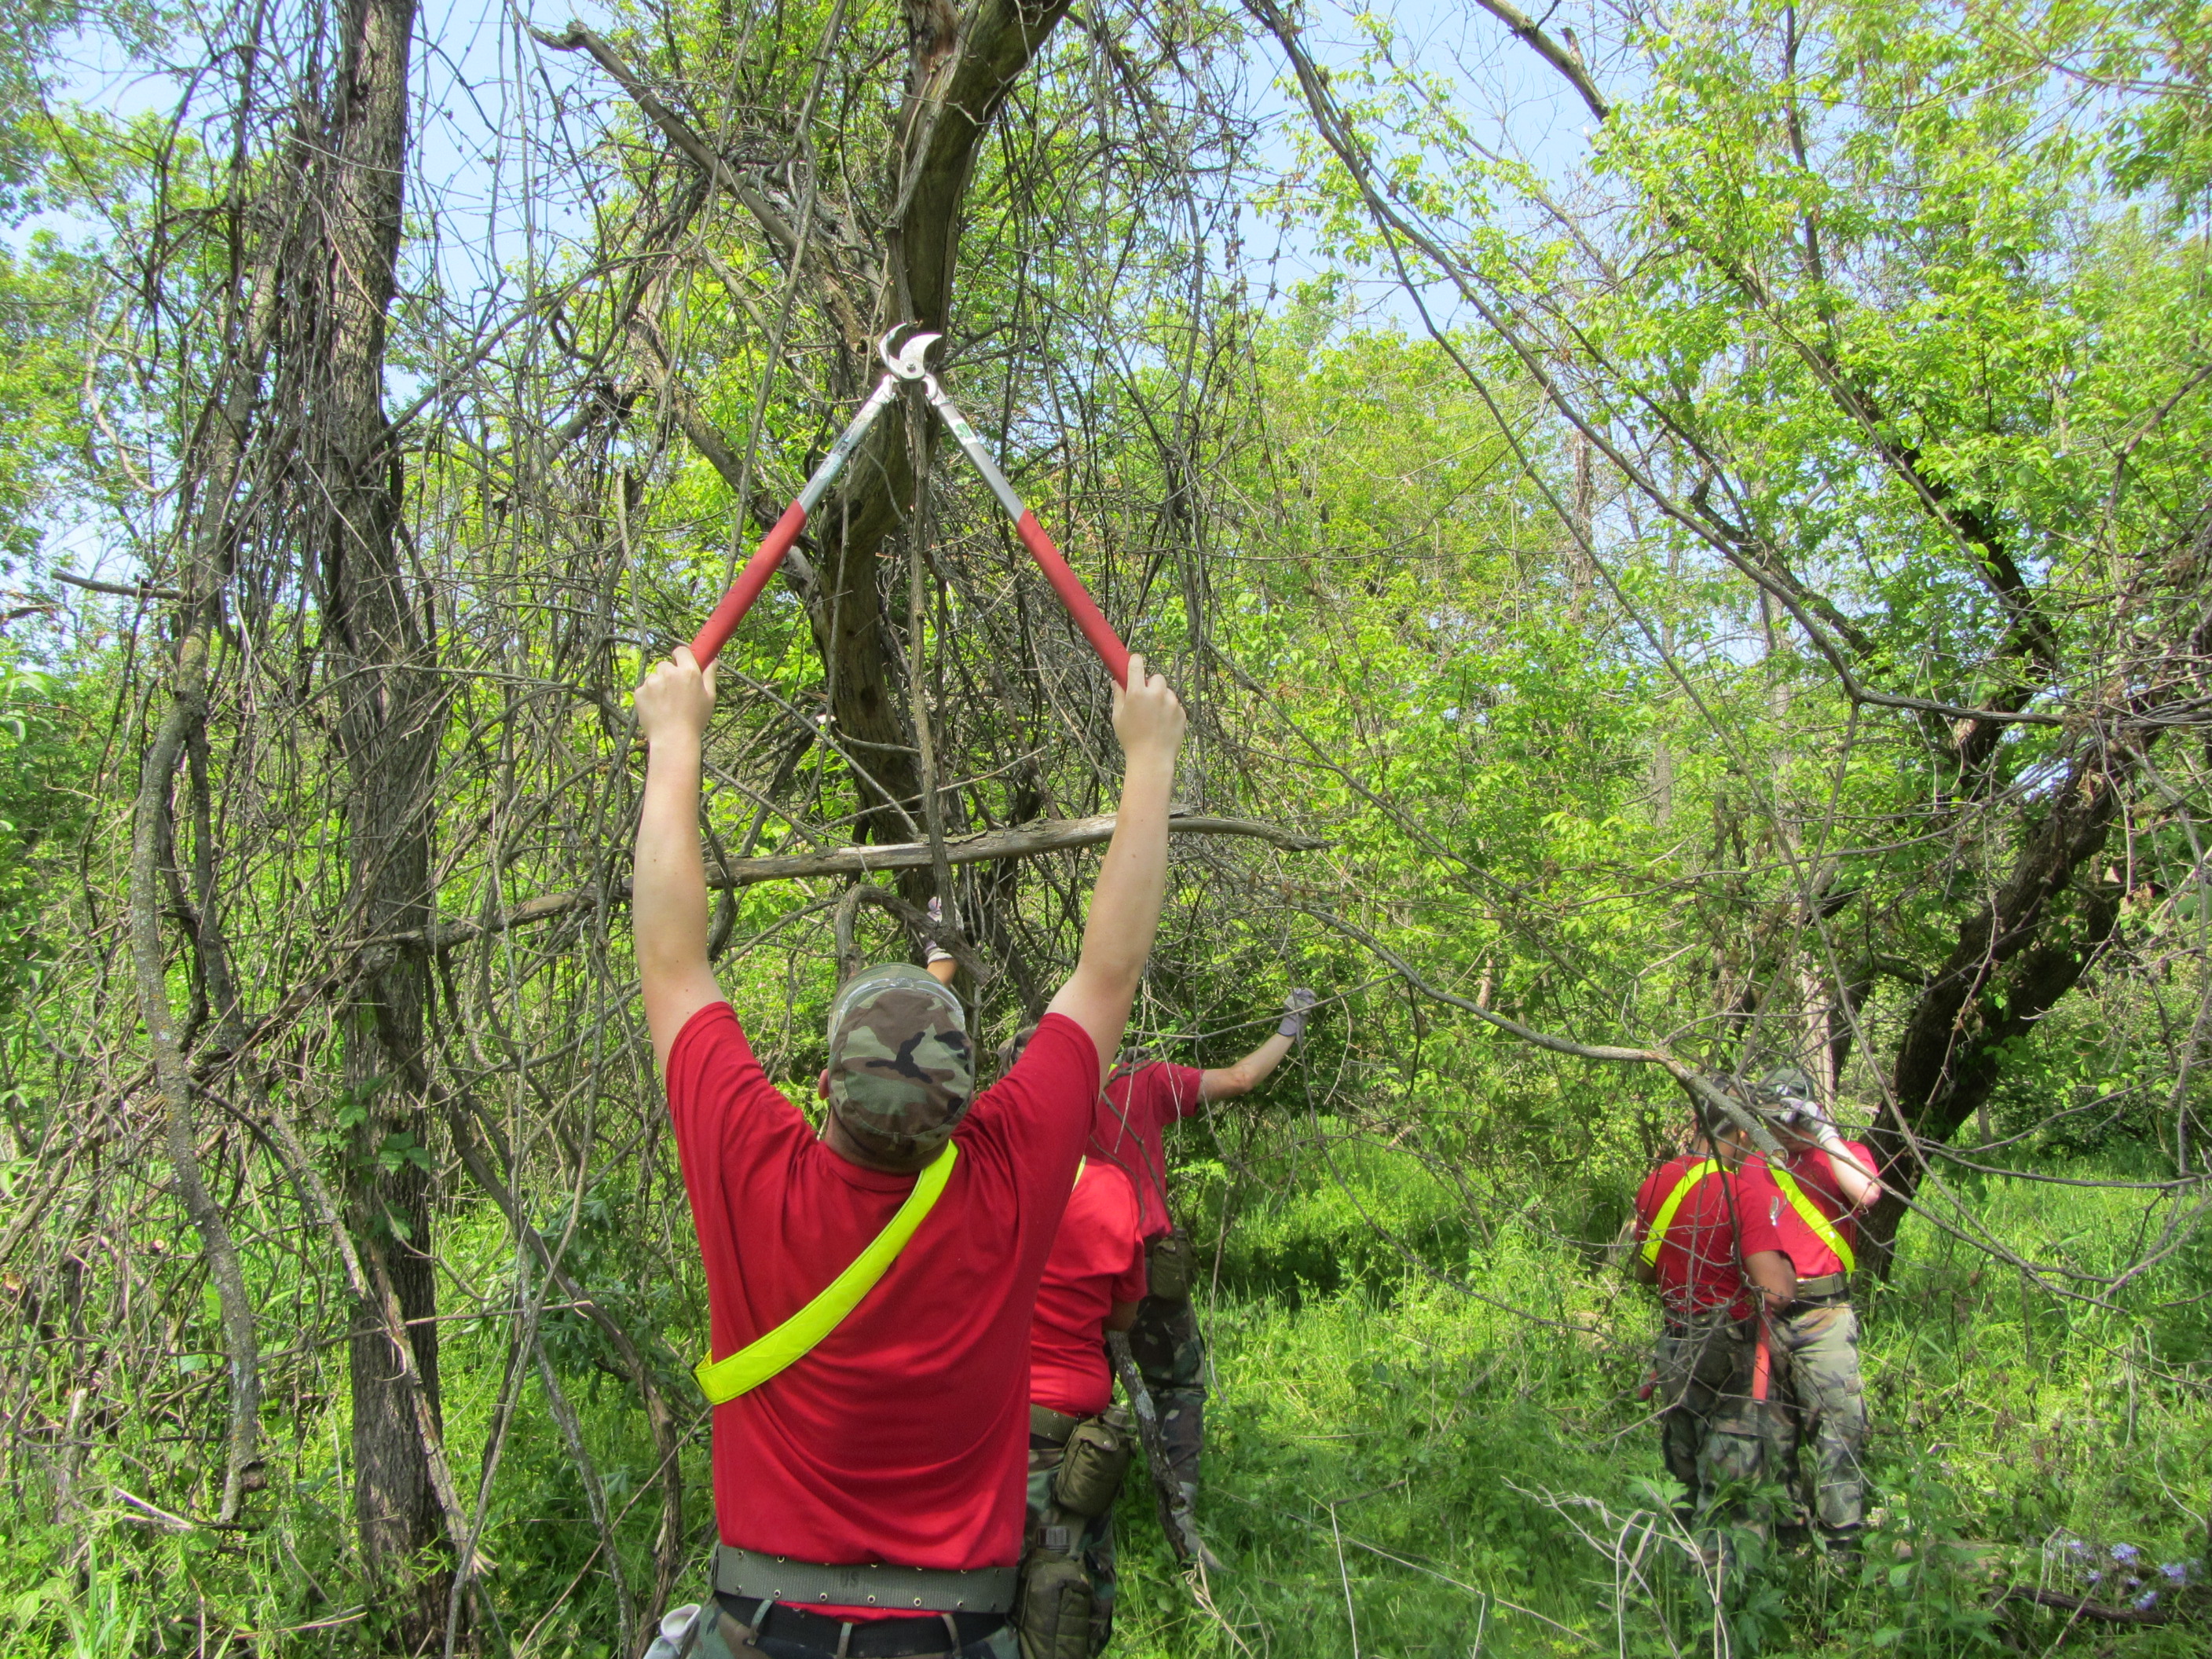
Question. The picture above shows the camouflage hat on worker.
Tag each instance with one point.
(900, 1068)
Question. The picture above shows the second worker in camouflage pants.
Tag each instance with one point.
(1170, 1351)
(1136, 1104)
(1801, 1234)
(1822, 1349)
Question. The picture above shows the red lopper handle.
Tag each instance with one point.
(1076, 598)
(1762, 1361)
(716, 631)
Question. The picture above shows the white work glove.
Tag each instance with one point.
(931, 950)
(1296, 1007)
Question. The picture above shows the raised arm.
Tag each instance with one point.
(1857, 1184)
(668, 879)
(1125, 904)
(1228, 1082)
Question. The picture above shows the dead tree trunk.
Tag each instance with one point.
(377, 636)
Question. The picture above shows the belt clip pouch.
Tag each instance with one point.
(1055, 1622)
(1089, 1471)
(1168, 1266)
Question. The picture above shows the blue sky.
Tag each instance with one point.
(496, 114)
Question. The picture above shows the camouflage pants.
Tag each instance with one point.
(1091, 1544)
(1171, 1353)
(1821, 1347)
(1703, 1369)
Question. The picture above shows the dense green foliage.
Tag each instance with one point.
(1639, 608)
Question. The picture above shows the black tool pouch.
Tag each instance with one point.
(1168, 1262)
(1054, 1621)
(1091, 1467)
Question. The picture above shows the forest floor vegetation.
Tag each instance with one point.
(1430, 1445)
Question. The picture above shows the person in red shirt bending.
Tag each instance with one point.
(1687, 1212)
(870, 1288)
(1079, 1442)
(1800, 1243)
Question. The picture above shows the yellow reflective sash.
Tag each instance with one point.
(1665, 1219)
(725, 1379)
(1823, 1229)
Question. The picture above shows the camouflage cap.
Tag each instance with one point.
(900, 1068)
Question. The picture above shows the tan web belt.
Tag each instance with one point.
(751, 1576)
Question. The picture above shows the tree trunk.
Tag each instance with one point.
(957, 79)
(2026, 947)
(151, 833)
(389, 705)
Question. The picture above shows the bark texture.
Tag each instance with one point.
(376, 637)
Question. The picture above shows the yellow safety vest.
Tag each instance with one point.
(1823, 1229)
(725, 1379)
(1665, 1219)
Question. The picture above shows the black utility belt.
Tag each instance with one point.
(1813, 1304)
(904, 1636)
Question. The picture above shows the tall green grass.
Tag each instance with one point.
(1393, 1455)
(1425, 1441)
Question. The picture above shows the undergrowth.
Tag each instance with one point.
(1424, 1440)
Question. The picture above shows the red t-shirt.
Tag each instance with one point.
(1097, 1259)
(1130, 1113)
(1770, 1221)
(1697, 1263)
(904, 1436)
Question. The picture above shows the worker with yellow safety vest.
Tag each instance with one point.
(1686, 1213)
(870, 1288)
(1800, 1242)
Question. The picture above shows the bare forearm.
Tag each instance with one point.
(668, 885)
(1857, 1184)
(1125, 905)
(1775, 1275)
(1228, 1082)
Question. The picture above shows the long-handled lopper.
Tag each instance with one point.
(715, 634)
(909, 364)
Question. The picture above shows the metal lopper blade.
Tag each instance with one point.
(911, 363)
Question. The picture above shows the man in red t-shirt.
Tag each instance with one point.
(1800, 1243)
(1686, 1249)
(879, 1464)
(1093, 1280)
(1137, 1104)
